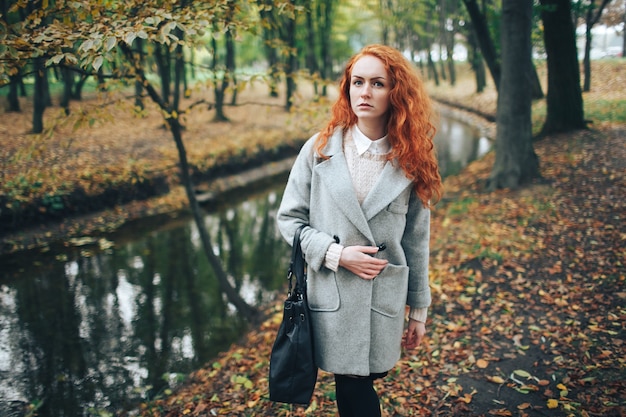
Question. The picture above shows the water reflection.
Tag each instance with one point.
(99, 327)
(457, 145)
(91, 329)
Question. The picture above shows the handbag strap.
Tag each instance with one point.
(296, 266)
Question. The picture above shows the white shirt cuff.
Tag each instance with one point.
(419, 314)
(331, 261)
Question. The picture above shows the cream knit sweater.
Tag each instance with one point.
(364, 169)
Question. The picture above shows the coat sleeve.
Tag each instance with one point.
(295, 207)
(416, 241)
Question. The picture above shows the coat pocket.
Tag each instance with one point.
(322, 291)
(390, 288)
(398, 207)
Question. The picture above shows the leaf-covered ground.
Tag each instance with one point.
(529, 311)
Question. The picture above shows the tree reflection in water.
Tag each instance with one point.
(457, 145)
(102, 329)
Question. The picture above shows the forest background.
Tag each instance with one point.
(244, 83)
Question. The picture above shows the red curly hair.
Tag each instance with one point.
(409, 128)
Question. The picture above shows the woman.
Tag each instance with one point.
(363, 185)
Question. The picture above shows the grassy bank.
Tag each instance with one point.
(91, 180)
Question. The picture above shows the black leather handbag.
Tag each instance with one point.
(293, 373)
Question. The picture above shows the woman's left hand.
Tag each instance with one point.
(414, 334)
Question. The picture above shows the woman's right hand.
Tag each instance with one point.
(360, 261)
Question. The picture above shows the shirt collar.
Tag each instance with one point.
(363, 143)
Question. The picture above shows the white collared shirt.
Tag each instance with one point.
(363, 143)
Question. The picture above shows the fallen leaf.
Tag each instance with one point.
(522, 373)
(496, 379)
(482, 364)
(467, 398)
(501, 412)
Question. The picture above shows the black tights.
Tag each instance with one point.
(356, 397)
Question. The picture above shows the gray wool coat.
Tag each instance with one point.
(357, 324)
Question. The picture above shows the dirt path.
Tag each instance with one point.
(549, 321)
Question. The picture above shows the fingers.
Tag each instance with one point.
(366, 272)
(420, 338)
(366, 249)
(414, 334)
(362, 254)
(368, 275)
(409, 339)
(358, 260)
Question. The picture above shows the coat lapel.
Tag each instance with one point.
(390, 184)
(336, 178)
(335, 175)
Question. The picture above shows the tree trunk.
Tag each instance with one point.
(77, 94)
(274, 73)
(13, 96)
(270, 31)
(162, 58)
(432, 69)
(179, 74)
(192, 68)
(385, 9)
(186, 89)
(179, 70)
(442, 66)
(39, 94)
(537, 91)
(311, 56)
(47, 97)
(481, 74)
(139, 58)
(587, 57)
(591, 19)
(443, 41)
(564, 100)
(173, 122)
(476, 60)
(325, 42)
(447, 11)
(624, 40)
(516, 161)
(231, 66)
(219, 86)
(102, 86)
(68, 87)
(22, 87)
(292, 62)
(479, 23)
(451, 68)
